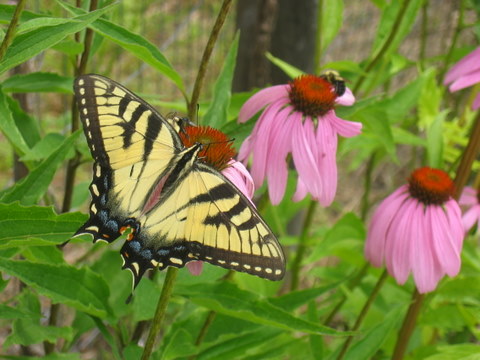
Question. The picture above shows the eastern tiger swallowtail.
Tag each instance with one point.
(178, 208)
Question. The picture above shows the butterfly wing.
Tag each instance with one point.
(133, 147)
(179, 209)
(206, 218)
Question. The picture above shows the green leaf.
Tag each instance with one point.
(371, 341)
(108, 337)
(69, 47)
(7, 312)
(31, 43)
(26, 332)
(44, 148)
(288, 69)
(7, 11)
(217, 113)
(293, 300)
(435, 142)
(134, 43)
(31, 188)
(38, 82)
(53, 356)
(9, 127)
(387, 26)
(27, 125)
(234, 302)
(35, 225)
(457, 352)
(80, 288)
(238, 346)
(40, 22)
(332, 19)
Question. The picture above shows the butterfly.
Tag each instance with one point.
(177, 207)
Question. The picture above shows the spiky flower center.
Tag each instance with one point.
(217, 148)
(312, 95)
(430, 186)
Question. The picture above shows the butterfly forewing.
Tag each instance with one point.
(179, 209)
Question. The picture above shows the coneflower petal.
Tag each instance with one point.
(303, 153)
(262, 142)
(261, 99)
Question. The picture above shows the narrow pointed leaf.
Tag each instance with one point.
(135, 44)
(9, 127)
(30, 189)
(217, 112)
(38, 82)
(232, 301)
(82, 289)
(31, 43)
(35, 225)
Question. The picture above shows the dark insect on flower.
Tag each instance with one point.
(334, 78)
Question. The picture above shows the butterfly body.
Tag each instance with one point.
(177, 207)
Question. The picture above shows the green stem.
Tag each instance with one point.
(352, 284)
(302, 245)
(453, 44)
(7, 40)
(75, 161)
(385, 45)
(423, 35)
(160, 312)
(210, 317)
(363, 313)
(463, 173)
(365, 204)
(222, 15)
(469, 155)
(318, 38)
(408, 325)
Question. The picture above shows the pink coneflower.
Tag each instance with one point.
(218, 153)
(470, 199)
(418, 229)
(465, 73)
(299, 118)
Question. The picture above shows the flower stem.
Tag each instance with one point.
(423, 35)
(463, 173)
(453, 43)
(363, 313)
(75, 161)
(468, 157)
(160, 312)
(302, 246)
(7, 40)
(352, 284)
(408, 325)
(222, 15)
(380, 54)
(365, 205)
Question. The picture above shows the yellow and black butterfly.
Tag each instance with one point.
(178, 208)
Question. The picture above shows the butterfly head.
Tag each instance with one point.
(217, 149)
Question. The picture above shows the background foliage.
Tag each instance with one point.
(69, 302)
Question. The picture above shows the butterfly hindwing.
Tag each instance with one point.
(177, 207)
(206, 219)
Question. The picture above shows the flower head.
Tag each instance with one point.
(471, 200)
(418, 229)
(465, 73)
(218, 152)
(298, 119)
